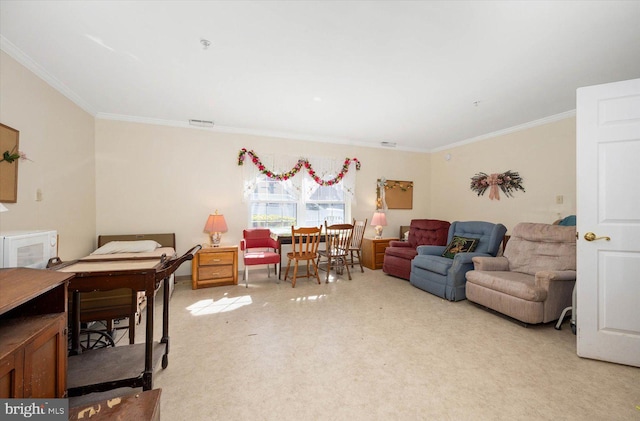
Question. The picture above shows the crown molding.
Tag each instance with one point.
(22, 58)
(534, 123)
(252, 132)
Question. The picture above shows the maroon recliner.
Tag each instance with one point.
(398, 256)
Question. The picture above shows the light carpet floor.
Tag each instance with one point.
(373, 348)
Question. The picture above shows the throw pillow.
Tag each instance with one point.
(460, 245)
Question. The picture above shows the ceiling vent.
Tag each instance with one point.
(201, 123)
(388, 144)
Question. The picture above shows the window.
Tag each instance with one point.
(324, 203)
(273, 204)
(278, 205)
(297, 192)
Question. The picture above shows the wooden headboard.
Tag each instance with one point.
(166, 240)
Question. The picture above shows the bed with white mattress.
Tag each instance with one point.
(107, 284)
(114, 305)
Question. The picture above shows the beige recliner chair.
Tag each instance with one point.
(533, 280)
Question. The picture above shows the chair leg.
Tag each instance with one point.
(360, 261)
(246, 276)
(316, 270)
(328, 269)
(346, 265)
(295, 275)
(286, 274)
(278, 270)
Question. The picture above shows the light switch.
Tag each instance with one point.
(559, 199)
(39, 195)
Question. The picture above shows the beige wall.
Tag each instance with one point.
(59, 137)
(148, 178)
(545, 157)
(154, 178)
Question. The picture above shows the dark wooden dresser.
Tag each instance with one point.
(33, 333)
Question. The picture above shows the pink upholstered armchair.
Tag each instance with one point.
(259, 248)
(533, 281)
(398, 256)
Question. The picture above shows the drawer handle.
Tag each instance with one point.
(216, 260)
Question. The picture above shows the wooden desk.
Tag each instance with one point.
(33, 333)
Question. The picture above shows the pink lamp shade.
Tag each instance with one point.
(214, 226)
(379, 220)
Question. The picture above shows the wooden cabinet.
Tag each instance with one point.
(373, 251)
(215, 266)
(36, 368)
(33, 333)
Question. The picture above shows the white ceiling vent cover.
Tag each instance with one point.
(201, 123)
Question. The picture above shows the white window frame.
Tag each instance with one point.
(301, 206)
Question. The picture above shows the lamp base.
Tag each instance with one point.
(215, 239)
(378, 232)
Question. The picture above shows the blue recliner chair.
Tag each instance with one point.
(445, 276)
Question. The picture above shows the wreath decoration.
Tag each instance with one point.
(302, 163)
(508, 182)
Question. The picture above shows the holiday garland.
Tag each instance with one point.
(303, 162)
(398, 185)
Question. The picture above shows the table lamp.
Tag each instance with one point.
(379, 220)
(215, 226)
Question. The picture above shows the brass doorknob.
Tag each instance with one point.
(592, 237)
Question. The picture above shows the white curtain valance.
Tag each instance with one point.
(280, 164)
(322, 171)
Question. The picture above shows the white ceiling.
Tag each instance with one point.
(353, 72)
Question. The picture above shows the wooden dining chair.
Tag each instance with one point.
(304, 247)
(337, 241)
(356, 241)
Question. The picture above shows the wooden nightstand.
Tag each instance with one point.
(373, 252)
(214, 266)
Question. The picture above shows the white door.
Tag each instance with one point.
(608, 205)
